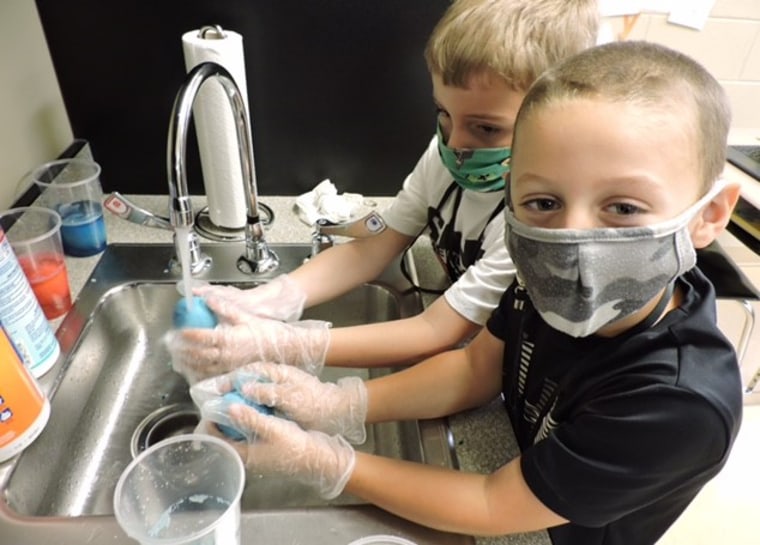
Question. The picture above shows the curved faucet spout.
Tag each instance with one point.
(257, 258)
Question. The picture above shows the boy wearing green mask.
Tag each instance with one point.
(482, 55)
(624, 396)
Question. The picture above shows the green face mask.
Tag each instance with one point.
(479, 170)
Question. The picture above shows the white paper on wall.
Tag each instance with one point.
(616, 8)
(690, 13)
(657, 6)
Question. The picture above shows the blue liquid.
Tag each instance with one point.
(188, 516)
(83, 230)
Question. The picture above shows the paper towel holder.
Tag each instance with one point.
(206, 228)
(212, 222)
(217, 29)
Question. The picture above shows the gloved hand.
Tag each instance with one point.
(279, 299)
(280, 448)
(216, 394)
(334, 408)
(238, 340)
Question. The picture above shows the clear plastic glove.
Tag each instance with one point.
(334, 408)
(216, 394)
(200, 353)
(279, 299)
(280, 448)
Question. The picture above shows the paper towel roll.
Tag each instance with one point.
(215, 126)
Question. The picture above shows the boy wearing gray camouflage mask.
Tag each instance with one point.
(623, 393)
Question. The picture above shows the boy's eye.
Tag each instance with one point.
(624, 209)
(488, 130)
(441, 113)
(541, 205)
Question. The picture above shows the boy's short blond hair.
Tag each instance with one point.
(669, 86)
(514, 39)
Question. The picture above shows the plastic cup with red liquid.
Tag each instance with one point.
(34, 234)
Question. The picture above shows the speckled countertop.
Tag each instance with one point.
(483, 437)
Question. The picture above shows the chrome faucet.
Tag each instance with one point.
(257, 257)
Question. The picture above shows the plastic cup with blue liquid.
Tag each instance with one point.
(72, 188)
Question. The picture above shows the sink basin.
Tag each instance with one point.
(113, 394)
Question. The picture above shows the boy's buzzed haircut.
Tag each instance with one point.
(671, 85)
(514, 39)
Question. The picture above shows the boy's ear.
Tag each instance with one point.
(715, 216)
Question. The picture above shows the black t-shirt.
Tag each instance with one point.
(619, 434)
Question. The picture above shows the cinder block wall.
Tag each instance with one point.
(728, 46)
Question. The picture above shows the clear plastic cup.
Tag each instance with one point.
(184, 490)
(382, 539)
(34, 233)
(72, 188)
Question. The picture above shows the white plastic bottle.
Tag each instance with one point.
(24, 409)
(22, 315)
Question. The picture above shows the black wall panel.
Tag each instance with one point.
(337, 88)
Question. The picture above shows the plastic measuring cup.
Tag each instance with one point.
(184, 490)
(72, 188)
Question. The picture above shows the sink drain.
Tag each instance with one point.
(163, 423)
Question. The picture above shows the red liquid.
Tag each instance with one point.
(50, 283)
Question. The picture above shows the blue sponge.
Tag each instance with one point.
(199, 317)
(235, 397)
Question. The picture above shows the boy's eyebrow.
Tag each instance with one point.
(641, 180)
(501, 120)
(646, 181)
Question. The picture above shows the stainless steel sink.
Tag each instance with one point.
(113, 394)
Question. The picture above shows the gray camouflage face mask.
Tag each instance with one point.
(580, 280)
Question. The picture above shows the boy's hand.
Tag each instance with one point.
(333, 408)
(279, 299)
(200, 353)
(280, 448)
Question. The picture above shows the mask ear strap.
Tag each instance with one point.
(671, 225)
(718, 186)
(507, 192)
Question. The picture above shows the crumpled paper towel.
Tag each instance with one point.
(324, 202)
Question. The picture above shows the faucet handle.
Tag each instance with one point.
(324, 230)
(366, 226)
(118, 204)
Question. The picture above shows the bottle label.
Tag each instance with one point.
(24, 409)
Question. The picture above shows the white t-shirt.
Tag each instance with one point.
(478, 290)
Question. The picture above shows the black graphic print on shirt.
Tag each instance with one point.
(454, 253)
(530, 400)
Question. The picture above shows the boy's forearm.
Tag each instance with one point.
(428, 495)
(344, 266)
(399, 342)
(446, 383)
(320, 281)
(450, 500)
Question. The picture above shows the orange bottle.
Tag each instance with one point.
(24, 409)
